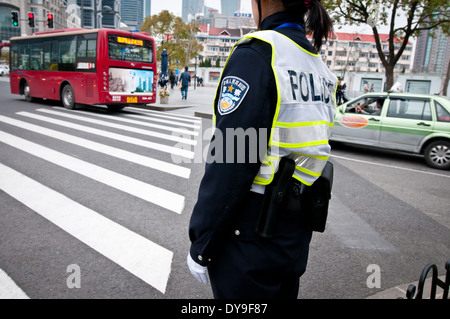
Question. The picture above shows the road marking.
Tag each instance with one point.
(353, 231)
(195, 127)
(119, 137)
(143, 123)
(98, 147)
(9, 289)
(390, 166)
(161, 197)
(138, 255)
(173, 138)
(147, 112)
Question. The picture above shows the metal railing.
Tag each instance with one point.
(417, 293)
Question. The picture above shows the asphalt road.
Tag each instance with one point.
(101, 216)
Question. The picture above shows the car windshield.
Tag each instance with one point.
(365, 105)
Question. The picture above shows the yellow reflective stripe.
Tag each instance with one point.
(299, 145)
(277, 82)
(317, 55)
(299, 124)
(307, 171)
(320, 157)
(302, 180)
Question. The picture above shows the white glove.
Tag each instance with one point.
(198, 271)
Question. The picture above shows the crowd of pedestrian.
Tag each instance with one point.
(182, 82)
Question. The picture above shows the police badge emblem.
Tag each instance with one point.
(232, 93)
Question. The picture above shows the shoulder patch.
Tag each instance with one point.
(232, 92)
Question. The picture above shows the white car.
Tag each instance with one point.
(4, 70)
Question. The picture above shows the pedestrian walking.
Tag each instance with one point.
(276, 88)
(185, 79)
(173, 80)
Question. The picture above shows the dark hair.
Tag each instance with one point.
(318, 22)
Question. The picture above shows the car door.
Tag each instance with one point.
(407, 122)
(358, 127)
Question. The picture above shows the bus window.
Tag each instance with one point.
(23, 57)
(92, 48)
(67, 49)
(81, 50)
(36, 56)
(128, 49)
(14, 58)
(87, 46)
(51, 55)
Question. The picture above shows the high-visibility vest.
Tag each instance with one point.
(306, 107)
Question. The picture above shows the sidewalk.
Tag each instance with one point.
(199, 102)
(400, 290)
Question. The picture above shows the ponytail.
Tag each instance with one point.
(318, 22)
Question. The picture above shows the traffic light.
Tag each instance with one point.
(15, 18)
(31, 19)
(50, 20)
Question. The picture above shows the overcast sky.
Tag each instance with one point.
(174, 6)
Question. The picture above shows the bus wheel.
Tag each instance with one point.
(26, 92)
(67, 97)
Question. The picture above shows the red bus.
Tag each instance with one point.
(82, 66)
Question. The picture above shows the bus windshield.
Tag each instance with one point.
(129, 49)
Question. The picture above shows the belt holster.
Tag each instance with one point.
(286, 197)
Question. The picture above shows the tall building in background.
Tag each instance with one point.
(432, 52)
(110, 17)
(132, 13)
(230, 7)
(147, 8)
(192, 8)
(93, 13)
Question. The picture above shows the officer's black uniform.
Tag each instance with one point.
(222, 226)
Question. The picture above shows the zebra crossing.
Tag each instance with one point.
(160, 134)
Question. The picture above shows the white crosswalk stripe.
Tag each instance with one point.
(112, 151)
(119, 137)
(9, 289)
(145, 259)
(122, 127)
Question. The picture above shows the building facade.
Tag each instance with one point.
(40, 8)
(349, 52)
(343, 53)
(191, 9)
(91, 14)
(132, 13)
(230, 7)
(147, 8)
(432, 53)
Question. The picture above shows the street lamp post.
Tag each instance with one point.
(195, 74)
(105, 9)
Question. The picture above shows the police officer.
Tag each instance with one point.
(276, 86)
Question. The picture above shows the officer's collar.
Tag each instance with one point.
(275, 20)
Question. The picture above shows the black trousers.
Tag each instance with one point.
(248, 267)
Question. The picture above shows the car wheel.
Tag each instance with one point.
(67, 97)
(437, 155)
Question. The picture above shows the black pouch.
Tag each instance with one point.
(315, 200)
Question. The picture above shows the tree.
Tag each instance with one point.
(176, 37)
(420, 15)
